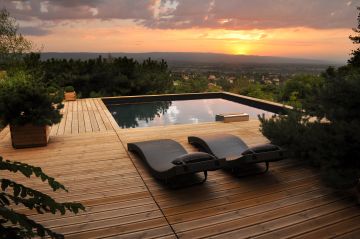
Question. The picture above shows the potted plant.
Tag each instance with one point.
(29, 109)
(52, 90)
(70, 93)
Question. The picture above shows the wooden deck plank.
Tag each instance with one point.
(88, 127)
(4, 132)
(54, 129)
(159, 232)
(87, 152)
(70, 106)
(80, 104)
(81, 121)
(99, 121)
(94, 123)
(350, 235)
(84, 105)
(75, 106)
(117, 226)
(62, 125)
(75, 123)
(268, 227)
(314, 219)
(65, 108)
(93, 106)
(116, 204)
(245, 218)
(101, 109)
(338, 229)
(101, 103)
(88, 105)
(68, 124)
(96, 103)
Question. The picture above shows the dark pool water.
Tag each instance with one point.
(177, 112)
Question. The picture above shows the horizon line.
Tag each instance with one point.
(213, 53)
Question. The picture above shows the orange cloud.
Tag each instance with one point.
(99, 36)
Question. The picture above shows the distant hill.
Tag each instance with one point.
(189, 57)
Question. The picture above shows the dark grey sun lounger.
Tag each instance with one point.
(167, 159)
(235, 151)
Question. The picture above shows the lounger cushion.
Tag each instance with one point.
(192, 158)
(261, 149)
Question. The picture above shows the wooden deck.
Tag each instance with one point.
(87, 152)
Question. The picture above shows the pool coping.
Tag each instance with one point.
(246, 100)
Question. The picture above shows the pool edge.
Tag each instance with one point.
(246, 100)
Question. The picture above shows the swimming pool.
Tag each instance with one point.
(171, 112)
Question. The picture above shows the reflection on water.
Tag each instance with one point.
(138, 115)
(177, 112)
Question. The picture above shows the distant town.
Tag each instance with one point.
(265, 74)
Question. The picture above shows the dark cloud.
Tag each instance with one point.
(260, 14)
(34, 31)
(75, 3)
(83, 9)
(180, 14)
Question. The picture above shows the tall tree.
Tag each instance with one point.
(355, 59)
(12, 43)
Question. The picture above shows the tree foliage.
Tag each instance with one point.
(12, 44)
(355, 55)
(17, 225)
(129, 114)
(191, 85)
(103, 76)
(331, 139)
(261, 91)
(298, 90)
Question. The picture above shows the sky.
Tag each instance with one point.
(314, 29)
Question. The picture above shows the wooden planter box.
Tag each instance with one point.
(26, 136)
(70, 96)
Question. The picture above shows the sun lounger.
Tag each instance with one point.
(167, 159)
(235, 151)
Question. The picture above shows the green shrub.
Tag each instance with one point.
(69, 89)
(52, 89)
(23, 100)
(331, 140)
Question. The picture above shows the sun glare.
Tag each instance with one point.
(241, 49)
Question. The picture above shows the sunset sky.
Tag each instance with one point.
(316, 29)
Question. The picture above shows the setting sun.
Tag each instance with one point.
(241, 49)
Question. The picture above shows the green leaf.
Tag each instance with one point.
(3, 199)
(4, 184)
(31, 199)
(23, 192)
(17, 190)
